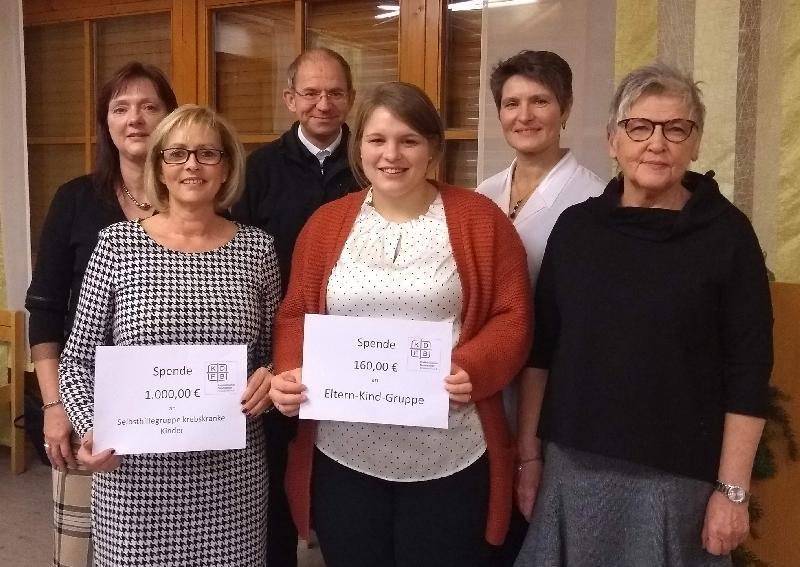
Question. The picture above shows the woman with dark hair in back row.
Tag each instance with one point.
(129, 106)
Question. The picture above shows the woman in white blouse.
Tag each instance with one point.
(407, 248)
(533, 94)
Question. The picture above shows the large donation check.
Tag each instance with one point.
(375, 370)
(169, 399)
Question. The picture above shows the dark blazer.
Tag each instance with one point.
(285, 185)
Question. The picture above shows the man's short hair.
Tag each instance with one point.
(320, 52)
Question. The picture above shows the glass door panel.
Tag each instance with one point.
(54, 80)
(461, 91)
(253, 46)
(462, 68)
(143, 38)
(461, 163)
(366, 35)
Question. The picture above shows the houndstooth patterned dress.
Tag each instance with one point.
(197, 508)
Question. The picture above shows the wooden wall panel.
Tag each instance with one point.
(51, 11)
(435, 12)
(54, 80)
(779, 497)
(413, 41)
(185, 70)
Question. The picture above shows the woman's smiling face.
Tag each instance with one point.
(395, 158)
(193, 182)
(530, 116)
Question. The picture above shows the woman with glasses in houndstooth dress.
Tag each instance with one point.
(185, 276)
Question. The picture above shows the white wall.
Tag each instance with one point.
(14, 211)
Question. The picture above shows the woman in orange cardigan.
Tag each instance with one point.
(407, 248)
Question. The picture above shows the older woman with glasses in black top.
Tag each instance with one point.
(653, 331)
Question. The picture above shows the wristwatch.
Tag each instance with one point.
(732, 492)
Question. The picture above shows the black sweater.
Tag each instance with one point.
(653, 324)
(77, 214)
(285, 185)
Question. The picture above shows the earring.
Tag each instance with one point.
(564, 125)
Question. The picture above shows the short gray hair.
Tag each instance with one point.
(656, 79)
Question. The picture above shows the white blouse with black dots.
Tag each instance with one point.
(402, 271)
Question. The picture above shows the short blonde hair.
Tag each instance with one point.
(185, 116)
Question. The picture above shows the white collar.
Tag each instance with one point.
(319, 153)
(550, 187)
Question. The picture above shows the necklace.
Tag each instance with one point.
(144, 206)
(512, 214)
(515, 209)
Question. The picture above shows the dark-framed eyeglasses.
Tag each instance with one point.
(206, 156)
(640, 129)
(313, 96)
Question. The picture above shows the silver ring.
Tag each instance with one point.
(47, 445)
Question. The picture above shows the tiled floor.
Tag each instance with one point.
(26, 516)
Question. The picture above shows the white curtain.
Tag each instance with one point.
(14, 226)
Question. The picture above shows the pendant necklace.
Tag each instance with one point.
(515, 209)
(512, 214)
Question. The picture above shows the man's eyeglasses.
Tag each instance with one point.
(313, 97)
(640, 129)
(206, 156)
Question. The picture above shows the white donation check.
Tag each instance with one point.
(375, 370)
(169, 399)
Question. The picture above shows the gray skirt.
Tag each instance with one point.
(595, 511)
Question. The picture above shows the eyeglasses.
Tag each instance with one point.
(313, 97)
(640, 129)
(206, 156)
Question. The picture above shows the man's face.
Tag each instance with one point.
(320, 99)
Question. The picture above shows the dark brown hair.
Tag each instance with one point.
(406, 102)
(544, 67)
(106, 174)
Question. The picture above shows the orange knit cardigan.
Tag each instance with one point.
(495, 328)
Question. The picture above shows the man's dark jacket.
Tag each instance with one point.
(285, 185)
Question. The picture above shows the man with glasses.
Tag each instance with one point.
(290, 178)
(287, 180)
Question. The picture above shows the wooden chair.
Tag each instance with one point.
(12, 325)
